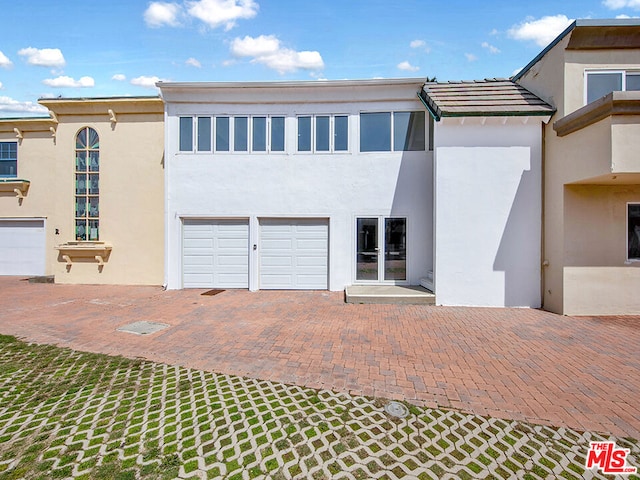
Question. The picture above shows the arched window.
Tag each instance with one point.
(87, 184)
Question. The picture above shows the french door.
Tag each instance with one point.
(381, 249)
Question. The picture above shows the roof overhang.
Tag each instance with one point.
(593, 34)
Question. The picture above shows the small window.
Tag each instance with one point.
(240, 134)
(8, 159)
(633, 231)
(375, 132)
(304, 134)
(186, 134)
(259, 137)
(204, 134)
(408, 131)
(222, 134)
(633, 82)
(341, 133)
(277, 134)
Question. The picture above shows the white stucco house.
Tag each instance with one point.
(321, 185)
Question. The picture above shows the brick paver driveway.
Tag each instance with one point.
(511, 363)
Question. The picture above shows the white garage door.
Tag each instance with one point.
(215, 254)
(22, 247)
(294, 253)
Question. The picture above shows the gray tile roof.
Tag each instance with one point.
(484, 98)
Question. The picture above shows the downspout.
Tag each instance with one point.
(543, 262)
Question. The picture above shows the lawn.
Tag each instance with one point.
(70, 414)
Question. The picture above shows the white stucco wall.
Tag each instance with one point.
(337, 186)
(488, 212)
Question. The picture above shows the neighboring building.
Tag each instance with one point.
(316, 185)
(591, 74)
(81, 192)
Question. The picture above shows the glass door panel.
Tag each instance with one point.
(395, 248)
(367, 249)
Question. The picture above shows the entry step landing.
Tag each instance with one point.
(389, 294)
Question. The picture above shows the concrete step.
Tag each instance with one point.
(389, 294)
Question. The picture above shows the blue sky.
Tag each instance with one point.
(97, 48)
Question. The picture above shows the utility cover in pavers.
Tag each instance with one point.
(143, 328)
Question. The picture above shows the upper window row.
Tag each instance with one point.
(379, 132)
(8, 159)
(603, 82)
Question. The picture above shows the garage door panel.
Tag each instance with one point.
(293, 253)
(22, 247)
(215, 253)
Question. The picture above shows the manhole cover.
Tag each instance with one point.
(143, 328)
(396, 409)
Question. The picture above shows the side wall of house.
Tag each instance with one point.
(488, 211)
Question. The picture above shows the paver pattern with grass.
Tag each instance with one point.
(68, 414)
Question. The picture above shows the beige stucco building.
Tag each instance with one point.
(591, 168)
(81, 192)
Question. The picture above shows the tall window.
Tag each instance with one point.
(87, 184)
(323, 133)
(8, 159)
(633, 231)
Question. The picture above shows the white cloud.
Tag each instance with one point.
(494, 32)
(267, 49)
(192, 62)
(119, 77)
(10, 105)
(623, 16)
(418, 44)
(68, 82)
(4, 61)
(471, 57)
(618, 4)
(145, 81)
(158, 14)
(218, 13)
(542, 31)
(1, 86)
(490, 47)
(407, 67)
(43, 57)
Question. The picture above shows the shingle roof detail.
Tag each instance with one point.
(485, 98)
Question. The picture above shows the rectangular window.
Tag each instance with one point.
(322, 134)
(601, 83)
(204, 134)
(240, 134)
(277, 134)
(341, 133)
(375, 132)
(186, 134)
(222, 134)
(259, 137)
(633, 81)
(304, 134)
(408, 131)
(633, 231)
(8, 159)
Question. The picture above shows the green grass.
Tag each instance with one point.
(115, 418)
